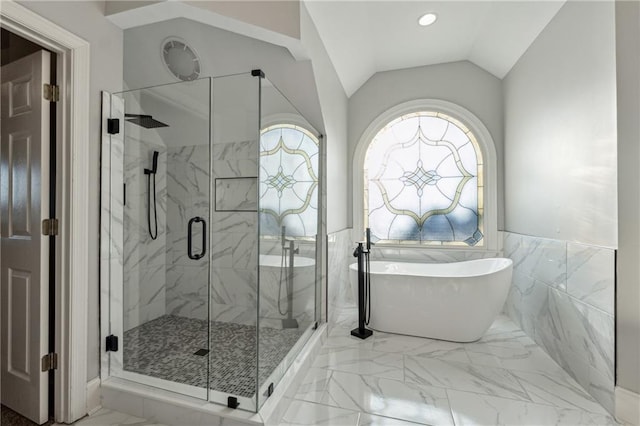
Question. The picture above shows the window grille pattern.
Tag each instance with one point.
(423, 180)
(288, 181)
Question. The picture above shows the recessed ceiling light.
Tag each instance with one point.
(427, 19)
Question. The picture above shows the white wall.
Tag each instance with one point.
(560, 130)
(462, 83)
(86, 19)
(628, 289)
(281, 16)
(112, 7)
(333, 101)
(221, 53)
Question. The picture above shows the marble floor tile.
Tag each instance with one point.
(105, 417)
(502, 324)
(388, 398)
(305, 413)
(419, 346)
(387, 342)
(437, 349)
(344, 339)
(347, 318)
(314, 384)
(558, 390)
(371, 420)
(341, 329)
(475, 409)
(513, 339)
(502, 379)
(361, 361)
(465, 377)
(523, 358)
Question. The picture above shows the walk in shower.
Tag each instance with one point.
(210, 207)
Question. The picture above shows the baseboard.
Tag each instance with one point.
(627, 407)
(93, 396)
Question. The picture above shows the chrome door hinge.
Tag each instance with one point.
(50, 227)
(51, 92)
(50, 361)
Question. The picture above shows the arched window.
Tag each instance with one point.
(289, 180)
(423, 177)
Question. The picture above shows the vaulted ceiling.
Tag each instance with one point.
(364, 37)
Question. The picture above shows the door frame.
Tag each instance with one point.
(72, 186)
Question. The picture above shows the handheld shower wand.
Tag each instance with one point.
(154, 165)
(149, 172)
(368, 236)
(283, 236)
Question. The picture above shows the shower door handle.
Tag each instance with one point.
(200, 255)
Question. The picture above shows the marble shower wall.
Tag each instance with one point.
(562, 296)
(188, 196)
(144, 258)
(232, 234)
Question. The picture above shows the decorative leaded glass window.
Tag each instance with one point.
(288, 181)
(423, 181)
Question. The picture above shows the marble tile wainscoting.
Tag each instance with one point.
(562, 296)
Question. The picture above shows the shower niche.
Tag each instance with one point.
(209, 232)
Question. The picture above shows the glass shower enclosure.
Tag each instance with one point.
(210, 221)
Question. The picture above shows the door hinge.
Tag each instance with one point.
(111, 343)
(51, 92)
(113, 126)
(50, 227)
(50, 361)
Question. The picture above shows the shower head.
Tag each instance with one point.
(146, 121)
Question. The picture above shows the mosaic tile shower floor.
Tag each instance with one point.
(165, 348)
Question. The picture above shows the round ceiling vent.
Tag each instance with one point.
(180, 59)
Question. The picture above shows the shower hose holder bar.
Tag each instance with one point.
(361, 253)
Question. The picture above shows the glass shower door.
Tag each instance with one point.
(162, 172)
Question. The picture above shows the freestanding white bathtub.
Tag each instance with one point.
(448, 301)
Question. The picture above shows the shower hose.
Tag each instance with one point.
(367, 289)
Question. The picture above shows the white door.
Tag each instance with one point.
(24, 201)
